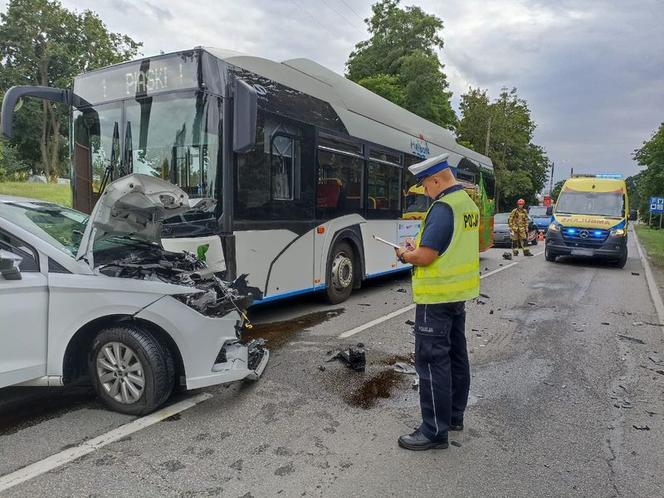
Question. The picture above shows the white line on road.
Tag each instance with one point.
(652, 284)
(411, 307)
(54, 461)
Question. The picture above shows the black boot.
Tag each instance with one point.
(419, 442)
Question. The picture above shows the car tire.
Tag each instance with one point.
(549, 256)
(140, 385)
(534, 242)
(341, 273)
(622, 261)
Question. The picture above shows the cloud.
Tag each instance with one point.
(591, 71)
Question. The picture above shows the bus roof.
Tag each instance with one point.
(364, 114)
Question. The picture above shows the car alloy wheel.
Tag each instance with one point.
(120, 372)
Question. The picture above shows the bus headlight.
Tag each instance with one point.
(554, 227)
(618, 232)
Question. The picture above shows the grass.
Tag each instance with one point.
(653, 242)
(53, 192)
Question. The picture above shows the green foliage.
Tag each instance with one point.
(650, 181)
(556, 190)
(43, 43)
(400, 62)
(52, 192)
(521, 166)
(653, 241)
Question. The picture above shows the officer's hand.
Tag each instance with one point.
(410, 244)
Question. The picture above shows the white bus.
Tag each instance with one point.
(304, 164)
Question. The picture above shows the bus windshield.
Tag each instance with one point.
(175, 137)
(591, 203)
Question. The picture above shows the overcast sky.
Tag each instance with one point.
(592, 71)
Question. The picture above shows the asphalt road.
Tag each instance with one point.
(566, 400)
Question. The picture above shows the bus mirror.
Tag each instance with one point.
(16, 93)
(244, 117)
(549, 210)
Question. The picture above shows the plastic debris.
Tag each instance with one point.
(641, 427)
(630, 339)
(507, 255)
(354, 359)
(404, 368)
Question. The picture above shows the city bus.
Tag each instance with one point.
(305, 166)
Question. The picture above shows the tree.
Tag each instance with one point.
(651, 180)
(503, 130)
(556, 190)
(400, 62)
(42, 43)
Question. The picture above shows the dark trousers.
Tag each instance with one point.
(441, 361)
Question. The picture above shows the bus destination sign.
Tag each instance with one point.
(139, 79)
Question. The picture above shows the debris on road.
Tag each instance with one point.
(641, 427)
(630, 338)
(401, 289)
(404, 368)
(485, 296)
(530, 303)
(354, 359)
(410, 322)
(456, 443)
(636, 273)
(606, 323)
(507, 255)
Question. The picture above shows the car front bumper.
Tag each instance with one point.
(209, 346)
(612, 247)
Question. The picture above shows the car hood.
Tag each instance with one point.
(134, 206)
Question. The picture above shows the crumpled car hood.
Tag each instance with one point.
(134, 206)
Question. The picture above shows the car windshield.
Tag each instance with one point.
(537, 212)
(59, 226)
(501, 218)
(591, 203)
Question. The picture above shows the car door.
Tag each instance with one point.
(23, 316)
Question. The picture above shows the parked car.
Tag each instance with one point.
(99, 299)
(540, 217)
(501, 231)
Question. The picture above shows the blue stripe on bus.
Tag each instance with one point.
(388, 272)
(284, 295)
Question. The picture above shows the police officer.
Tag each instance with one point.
(518, 223)
(445, 259)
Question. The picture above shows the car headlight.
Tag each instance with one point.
(554, 227)
(618, 232)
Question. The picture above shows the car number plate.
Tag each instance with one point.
(583, 252)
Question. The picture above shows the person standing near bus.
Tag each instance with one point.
(518, 223)
(445, 259)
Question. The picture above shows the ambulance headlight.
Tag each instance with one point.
(618, 232)
(554, 227)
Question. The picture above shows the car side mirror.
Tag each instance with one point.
(549, 210)
(9, 265)
(632, 215)
(245, 109)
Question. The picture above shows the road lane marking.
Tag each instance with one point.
(650, 280)
(69, 455)
(411, 307)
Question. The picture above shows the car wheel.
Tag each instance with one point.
(130, 369)
(341, 273)
(549, 256)
(622, 261)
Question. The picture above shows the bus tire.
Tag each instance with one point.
(341, 273)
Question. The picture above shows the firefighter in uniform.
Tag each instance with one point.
(518, 223)
(445, 259)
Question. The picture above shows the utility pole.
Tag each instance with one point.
(571, 172)
(553, 165)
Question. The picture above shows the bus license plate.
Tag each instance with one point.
(583, 252)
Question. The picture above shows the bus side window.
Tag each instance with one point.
(339, 185)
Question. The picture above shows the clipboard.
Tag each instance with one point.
(386, 242)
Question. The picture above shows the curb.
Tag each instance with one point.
(652, 284)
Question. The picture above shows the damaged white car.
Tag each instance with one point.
(101, 300)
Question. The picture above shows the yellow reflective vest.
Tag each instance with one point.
(455, 274)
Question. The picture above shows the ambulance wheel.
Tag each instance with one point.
(549, 256)
(622, 261)
(341, 273)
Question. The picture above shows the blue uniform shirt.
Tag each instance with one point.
(439, 224)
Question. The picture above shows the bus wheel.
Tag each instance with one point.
(341, 274)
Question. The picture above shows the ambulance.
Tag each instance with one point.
(590, 219)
